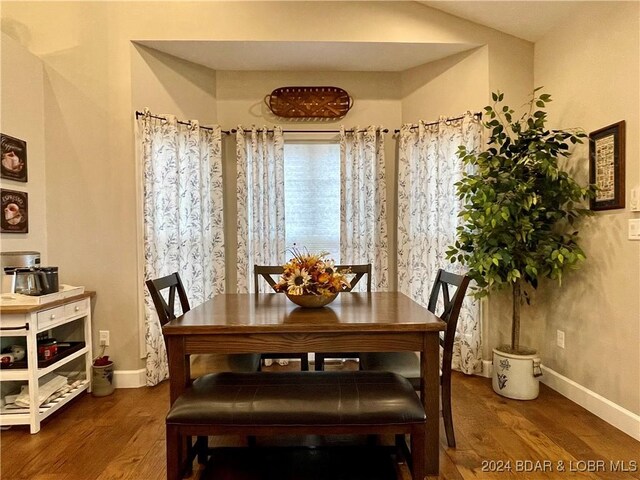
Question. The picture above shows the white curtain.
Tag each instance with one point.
(260, 192)
(183, 223)
(428, 216)
(363, 203)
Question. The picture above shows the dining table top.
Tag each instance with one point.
(274, 312)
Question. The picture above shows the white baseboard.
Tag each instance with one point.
(487, 369)
(129, 378)
(610, 412)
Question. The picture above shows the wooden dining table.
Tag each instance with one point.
(271, 323)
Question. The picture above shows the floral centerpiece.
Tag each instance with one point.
(312, 280)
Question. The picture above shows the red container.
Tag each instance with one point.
(47, 349)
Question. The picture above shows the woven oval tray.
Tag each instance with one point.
(309, 102)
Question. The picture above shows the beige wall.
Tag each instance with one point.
(447, 87)
(22, 107)
(241, 102)
(591, 66)
(166, 84)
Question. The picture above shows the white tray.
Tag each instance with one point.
(70, 291)
(65, 291)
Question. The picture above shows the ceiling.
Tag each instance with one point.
(307, 56)
(525, 19)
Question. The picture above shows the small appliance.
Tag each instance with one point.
(9, 261)
(33, 280)
(23, 274)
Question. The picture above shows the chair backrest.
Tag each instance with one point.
(359, 271)
(268, 271)
(166, 311)
(451, 311)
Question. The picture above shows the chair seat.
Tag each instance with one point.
(406, 364)
(312, 398)
(243, 362)
(219, 362)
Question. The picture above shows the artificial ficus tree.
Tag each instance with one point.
(520, 209)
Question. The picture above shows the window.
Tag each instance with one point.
(312, 196)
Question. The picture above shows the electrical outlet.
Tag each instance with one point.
(634, 229)
(560, 338)
(104, 338)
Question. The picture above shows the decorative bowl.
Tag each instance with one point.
(312, 301)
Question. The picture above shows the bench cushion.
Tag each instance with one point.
(298, 398)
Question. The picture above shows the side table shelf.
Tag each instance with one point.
(71, 319)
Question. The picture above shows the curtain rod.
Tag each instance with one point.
(450, 119)
(235, 130)
(141, 114)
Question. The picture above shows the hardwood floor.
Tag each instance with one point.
(122, 437)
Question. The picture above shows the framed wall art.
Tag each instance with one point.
(15, 211)
(14, 158)
(606, 166)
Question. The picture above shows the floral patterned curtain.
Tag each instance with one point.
(428, 216)
(363, 203)
(260, 189)
(183, 225)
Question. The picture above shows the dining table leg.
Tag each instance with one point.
(179, 367)
(430, 395)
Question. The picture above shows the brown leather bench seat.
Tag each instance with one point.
(297, 403)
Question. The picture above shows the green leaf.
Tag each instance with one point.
(518, 203)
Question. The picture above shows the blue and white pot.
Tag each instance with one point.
(516, 376)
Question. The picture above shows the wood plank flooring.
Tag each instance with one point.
(122, 437)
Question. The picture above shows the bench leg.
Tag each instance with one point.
(418, 451)
(202, 449)
(174, 453)
(401, 445)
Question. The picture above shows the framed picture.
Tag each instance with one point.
(14, 158)
(606, 166)
(15, 211)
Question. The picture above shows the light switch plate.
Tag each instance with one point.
(634, 229)
(634, 204)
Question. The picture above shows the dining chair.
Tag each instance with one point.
(166, 309)
(267, 272)
(359, 272)
(407, 364)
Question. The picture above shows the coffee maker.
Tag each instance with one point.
(12, 261)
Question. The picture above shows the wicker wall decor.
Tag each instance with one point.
(309, 102)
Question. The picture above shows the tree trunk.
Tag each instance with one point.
(515, 319)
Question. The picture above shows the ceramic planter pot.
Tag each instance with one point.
(102, 381)
(516, 376)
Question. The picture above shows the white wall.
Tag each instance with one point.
(591, 66)
(22, 107)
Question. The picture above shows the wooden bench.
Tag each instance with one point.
(296, 403)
